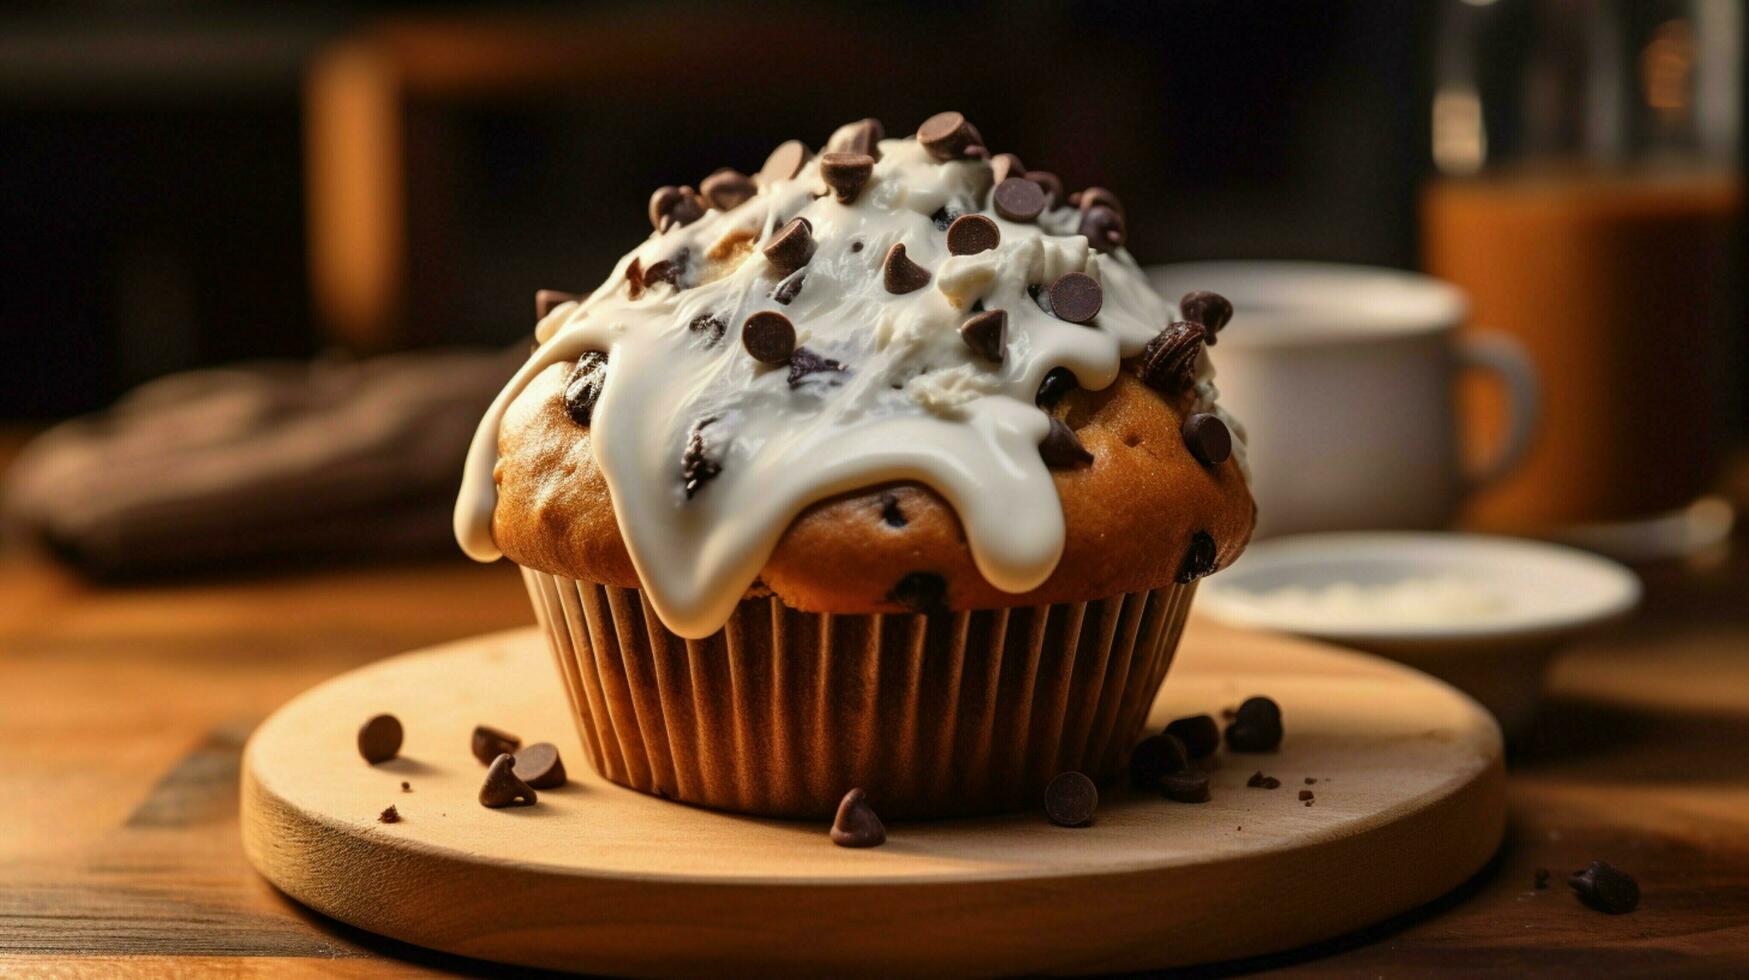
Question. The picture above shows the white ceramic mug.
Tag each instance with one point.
(1345, 380)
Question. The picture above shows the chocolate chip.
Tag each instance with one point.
(920, 592)
(489, 743)
(1540, 879)
(1305, 794)
(1103, 228)
(379, 739)
(672, 207)
(1207, 438)
(502, 788)
(389, 815)
(1209, 309)
(948, 136)
(727, 189)
(899, 274)
(1256, 727)
(791, 247)
(1168, 363)
(670, 270)
(1004, 166)
(406, 787)
(1057, 383)
(769, 337)
(1097, 197)
(972, 233)
(1259, 781)
(1606, 888)
(1310, 780)
(846, 173)
(635, 279)
(784, 162)
(1190, 786)
(1049, 182)
(1155, 756)
(710, 325)
(696, 467)
(1061, 449)
(805, 362)
(1018, 199)
(1200, 734)
(787, 290)
(583, 386)
(1076, 297)
(539, 765)
(890, 511)
(987, 334)
(1199, 558)
(1070, 799)
(547, 300)
(862, 136)
(944, 217)
(856, 246)
(856, 824)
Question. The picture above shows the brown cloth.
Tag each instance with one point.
(256, 462)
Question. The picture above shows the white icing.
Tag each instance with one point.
(913, 403)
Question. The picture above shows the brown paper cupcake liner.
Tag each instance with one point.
(781, 711)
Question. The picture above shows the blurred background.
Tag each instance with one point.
(302, 187)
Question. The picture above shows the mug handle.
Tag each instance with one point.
(1506, 358)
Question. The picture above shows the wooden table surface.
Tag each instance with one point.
(123, 711)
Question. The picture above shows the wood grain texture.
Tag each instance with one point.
(1409, 802)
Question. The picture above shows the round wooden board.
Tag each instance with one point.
(1410, 801)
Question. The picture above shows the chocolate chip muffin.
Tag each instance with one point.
(881, 467)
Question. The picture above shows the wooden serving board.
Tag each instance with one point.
(1409, 802)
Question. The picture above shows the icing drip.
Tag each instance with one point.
(907, 398)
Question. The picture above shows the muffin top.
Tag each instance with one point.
(903, 374)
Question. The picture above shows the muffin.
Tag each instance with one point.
(881, 467)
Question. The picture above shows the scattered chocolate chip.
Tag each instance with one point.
(862, 136)
(1207, 438)
(769, 337)
(674, 206)
(1190, 786)
(710, 325)
(890, 511)
(389, 815)
(1049, 182)
(846, 173)
(791, 247)
(539, 765)
(1004, 166)
(1070, 799)
(547, 300)
(1018, 199)
(1200, 734)
(784, 162)
(1305, 794)
(1155, 756)
(1540, 879)
(1606, 888)
(920, 592)
(502, 787)
(489, 743)
(583, 386)
(857, 825)
(670, 270)
(972, 233)
(379, 739)
(1094, 197)
(1061, 449)
(1076, 297)
(856, 245)
(635, 279)
(1256, 727)
(805, 362)
(696, 467)
(899, 274)
(1168, 363)
(406, 787)
(727, 189)
(987, 334)
(948, 136)
(1310, 780)
(1103, 228)
(789, 288)
(1199, 558)
(1259, 781)
(1209, 309)
(944, 217)
(1057, 383)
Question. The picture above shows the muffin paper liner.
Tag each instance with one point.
(781, 711)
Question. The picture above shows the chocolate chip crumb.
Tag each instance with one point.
(899, 274)
(920, 592)
(502, 788)
(1310, 780)
(1076, 297)
(1018, 199)
(1540, 879)
(857, 825)
(548, 300)
(1103, 228)
(791, 247)
(786, 291)
(1209, 309)
(1305, 794)
(406, 787)
(696, 467)
(1191, 786)
(986, 334)
(1057, 383)
(1259, 781)
(890, 511)
(1606, 888)
(846, 173)
(727, 189)
(1207, 438)
(856, 246)
(710, 325)
(583, 386)
(784, 162)
(1256, 727)
(379, 738)
(1062, 449)
(539, 765)
(1070, 799)
(948, 136)
(1168, 362)
(671, 270)
(972, 233)
(1156, 756)
(769, 337)
(1199, 558)
(1200, 734)
(389, 815)
(805, 362)
(489, 743)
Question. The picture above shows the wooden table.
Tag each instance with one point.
(122, 713)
